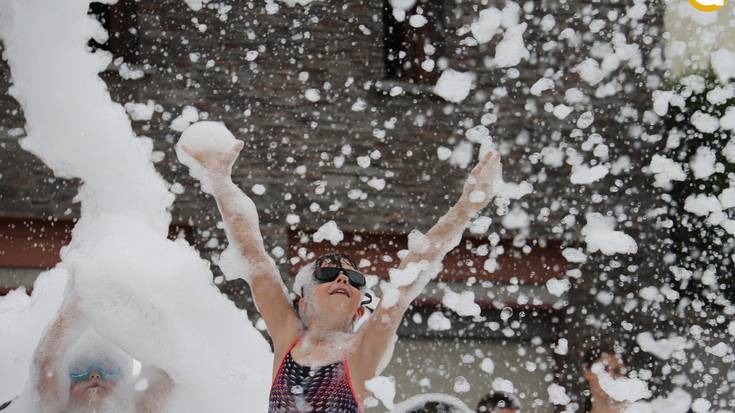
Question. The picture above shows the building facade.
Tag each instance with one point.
(339, 125)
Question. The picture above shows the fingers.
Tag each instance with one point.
(487, 169)
(488, 163)
(492, 156)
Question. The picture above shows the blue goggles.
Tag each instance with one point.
(106, 372)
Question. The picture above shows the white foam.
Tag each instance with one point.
(623, 388)
(384, 389)
(25, 318)
(151, 297)
(558, 394)
(665, 171)
(461, 303)
(511, 50)
(211, 139)
(328, 232)
(454, 86)
(487, 24)
(600, 235)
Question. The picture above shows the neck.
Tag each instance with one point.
(323, 331)
(85, 406)
(323, 326)
(320, 347)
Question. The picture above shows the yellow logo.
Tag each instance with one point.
(707, 5)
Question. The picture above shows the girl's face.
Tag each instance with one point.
(335, 304)
(92, 390)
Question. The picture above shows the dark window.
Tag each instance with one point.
(121, 22)
(405, 47)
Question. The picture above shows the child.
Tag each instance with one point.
(320, 363)
(95, 380)
(602, 360)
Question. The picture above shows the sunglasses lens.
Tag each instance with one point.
(356, 279)
(329, 274)
(105, 369)
(110, 375)
(78, 377)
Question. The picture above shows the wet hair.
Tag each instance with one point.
(305, 276)
(436, 407)
(497, 400)
(592, 355)
(335, 258)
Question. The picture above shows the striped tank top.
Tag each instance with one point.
(325, 389)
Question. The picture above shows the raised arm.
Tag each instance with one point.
(423, 261)
(155, 395)
(241, 225)
(46, 362)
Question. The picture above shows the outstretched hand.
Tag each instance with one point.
(215, 163)
(479, 186)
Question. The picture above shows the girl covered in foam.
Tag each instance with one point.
(75, 370)
(321, 361)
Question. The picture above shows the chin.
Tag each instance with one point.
(96, 394)
(92, 395)
(341, 304)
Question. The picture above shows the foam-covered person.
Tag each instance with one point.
(321, 362)
(602, 360)
(76, 371)
(499, 402)
(431, 403)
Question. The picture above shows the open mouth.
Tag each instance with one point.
(340, 290)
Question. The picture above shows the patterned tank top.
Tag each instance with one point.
(326, 389)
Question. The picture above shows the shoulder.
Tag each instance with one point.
(287, 341)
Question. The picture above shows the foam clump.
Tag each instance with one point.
(454, 86)
(461, 303)
(148, 296)
(622, 388)
(486, 26)
(209, 139)
(384, 389)
(600, 235)
(155, 299)
(329, 232)
(73, 125)
(23, 320)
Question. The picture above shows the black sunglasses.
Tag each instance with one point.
(329, 274)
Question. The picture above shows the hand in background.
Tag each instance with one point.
(479, 186)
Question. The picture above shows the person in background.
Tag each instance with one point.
(498, 402)
(438, 407)
(431, 403)
(605, 359)
(93, 381)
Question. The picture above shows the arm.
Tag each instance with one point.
(155, 395)
(377, 334)
(46, 369)
(241, 225)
